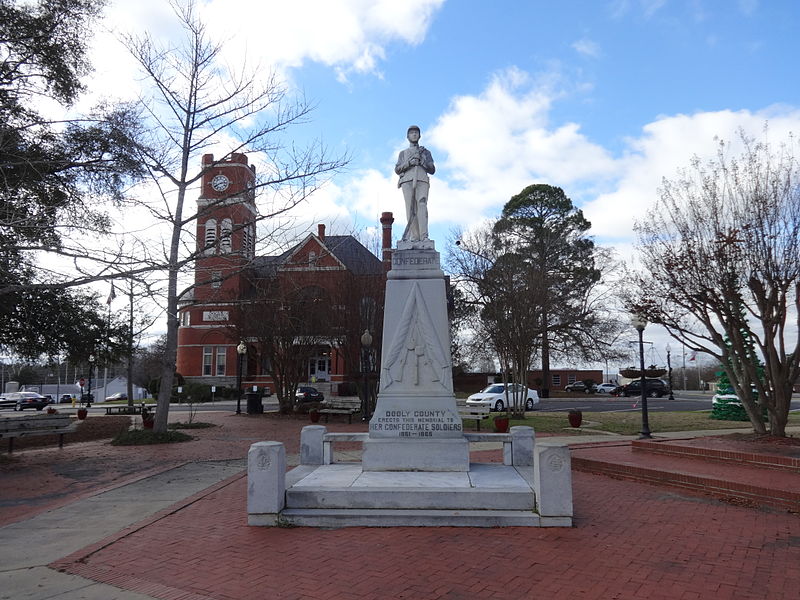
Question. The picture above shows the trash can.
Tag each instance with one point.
(254, 404)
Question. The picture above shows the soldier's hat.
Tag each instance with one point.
(414, 127)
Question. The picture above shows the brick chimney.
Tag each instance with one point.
(386, 240)
(321, 231)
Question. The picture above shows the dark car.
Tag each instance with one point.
(65, 399)
(306, 393)
(28, 400)
(654, 388)
(578, 386)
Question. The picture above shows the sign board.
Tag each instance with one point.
(82, 381)
(180, 389)
(255, 388)
(213, 389)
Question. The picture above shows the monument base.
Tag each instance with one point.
(416, 455)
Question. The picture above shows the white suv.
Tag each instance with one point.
(495, 397)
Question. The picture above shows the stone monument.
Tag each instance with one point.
(416, 425)
(415, 468)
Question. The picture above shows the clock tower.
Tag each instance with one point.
(225, 245)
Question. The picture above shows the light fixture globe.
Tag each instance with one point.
(638, 322)
(241, 348)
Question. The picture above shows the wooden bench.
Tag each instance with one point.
(14, 427)
(475, 413)
(340, 406)
(124, 409)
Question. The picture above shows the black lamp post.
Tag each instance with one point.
(366, 342)
(639, 323)
(241, 349)
(669, 372)
(89, 393)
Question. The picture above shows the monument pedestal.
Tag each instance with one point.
(416, 425)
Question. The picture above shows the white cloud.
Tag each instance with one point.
(586, 47)
(489, 146)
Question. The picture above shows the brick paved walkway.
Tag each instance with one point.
(631, 540)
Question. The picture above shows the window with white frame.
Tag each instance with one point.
(557, 380)
(221, 360)
(208, 357)
(216, 279)
(571, 378)
(186, 318)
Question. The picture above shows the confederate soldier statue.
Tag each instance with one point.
(414, 164)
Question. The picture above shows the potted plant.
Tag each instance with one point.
(148, 419)
(51, 410)
(313, 412)
(501, 423)
(575, 417)
(82, 413)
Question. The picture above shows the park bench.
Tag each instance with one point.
(475, 413)
(124, 409)
(340, 406)
(14, 427)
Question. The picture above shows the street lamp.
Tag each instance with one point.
(241, 349)
(366, 342)
(639, 323)
(669, 372)
(89, 397)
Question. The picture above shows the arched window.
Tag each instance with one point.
(225, 236)
(211, 236)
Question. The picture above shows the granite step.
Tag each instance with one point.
(410, 498)
(418, 518)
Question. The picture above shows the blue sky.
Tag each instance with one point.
(602, 98)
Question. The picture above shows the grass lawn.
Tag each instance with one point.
(630, 423)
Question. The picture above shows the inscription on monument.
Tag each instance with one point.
(415, 423)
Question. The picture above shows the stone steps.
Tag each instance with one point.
(410, 498)
(418, 518)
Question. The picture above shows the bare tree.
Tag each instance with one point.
(720, 255)
(195, 103)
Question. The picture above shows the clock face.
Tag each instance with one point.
(220, 183)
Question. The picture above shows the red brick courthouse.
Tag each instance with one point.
(332, 283)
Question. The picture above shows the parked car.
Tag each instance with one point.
(117, 396)
(495, 397)
(306, 393)
(654, 388)
(25, 400)
(579, 386)
(6, 402)
(65, 399)
(606, 388)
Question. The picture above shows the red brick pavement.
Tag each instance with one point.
(41, 479)
(630, 540)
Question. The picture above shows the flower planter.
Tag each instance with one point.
(575, 418)
(82, 413)
(501, 424)
(51, 411)
(313, 416)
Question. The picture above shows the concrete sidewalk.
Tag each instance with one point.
(28, 546)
